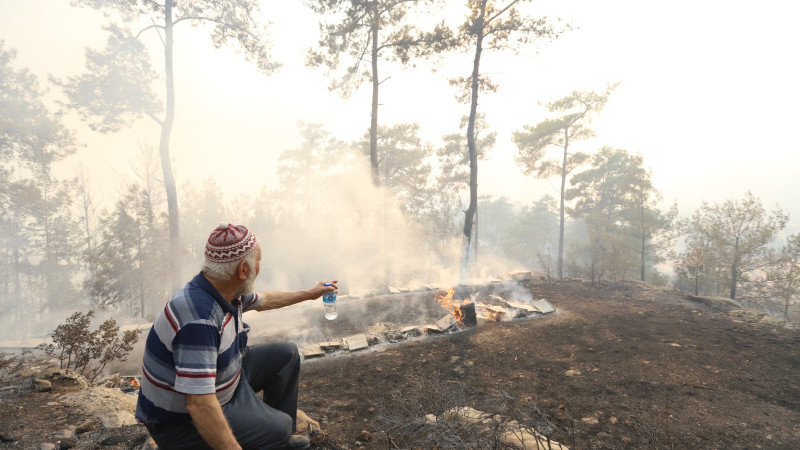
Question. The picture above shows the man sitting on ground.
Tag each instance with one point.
(200, 378)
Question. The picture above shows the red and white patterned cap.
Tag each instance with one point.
(229, 242)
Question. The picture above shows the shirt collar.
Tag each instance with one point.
(206, 285)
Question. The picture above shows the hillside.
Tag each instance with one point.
(615, 367)
(654, 369)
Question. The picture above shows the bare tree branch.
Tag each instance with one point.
(219, 22)
(147, 28)
(486, 22)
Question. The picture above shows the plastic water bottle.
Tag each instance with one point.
(329, 303)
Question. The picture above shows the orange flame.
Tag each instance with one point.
(445, 299)
(495, 315)
(135, 383)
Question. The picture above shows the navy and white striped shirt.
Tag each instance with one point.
(194, 347)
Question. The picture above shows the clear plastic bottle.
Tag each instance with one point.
(329, 303)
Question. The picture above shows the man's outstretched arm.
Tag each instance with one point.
(280, 299)
(210, 421)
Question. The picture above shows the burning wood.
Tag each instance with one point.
(493, 313)
(468, 316)
(446, 299)
(462, 310)
(129, 383)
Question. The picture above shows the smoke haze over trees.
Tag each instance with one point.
(392, 204)
(117, 87)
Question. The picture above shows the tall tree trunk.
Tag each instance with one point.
(46, 268)
(469, 214)
(477, 227)
(373, 126)
(6, 265)
(86, 227)
(140, 266)
(17, 299)
(595, 259)
(644, 238)
(787, 295)
(166, 166)
(735, 269)
(561, 207)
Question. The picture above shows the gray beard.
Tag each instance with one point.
(248, 286)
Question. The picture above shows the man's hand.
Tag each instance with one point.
(210, 421)
(320, 288)
(280, 299)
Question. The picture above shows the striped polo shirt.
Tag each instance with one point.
(194, 347)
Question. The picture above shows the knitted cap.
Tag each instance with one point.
(229, 242)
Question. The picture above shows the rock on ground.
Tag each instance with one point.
(749, 315)
(64, 377)
(42, 385)
(305, 423)
(526, 440)
(590, 420)
(112, 407)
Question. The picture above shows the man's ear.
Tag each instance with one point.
(243, 270)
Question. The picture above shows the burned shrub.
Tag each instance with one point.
(416, 415)
(89, 351)
(530, 424)
(10, 364)
(427, 412)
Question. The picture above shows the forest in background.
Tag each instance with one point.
(391, 208)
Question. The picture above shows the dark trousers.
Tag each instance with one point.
(272, 368)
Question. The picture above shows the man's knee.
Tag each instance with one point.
(264, 362)
(285, 427)
(272, 433)
(278, 350)
(288, 350)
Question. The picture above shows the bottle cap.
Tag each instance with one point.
(327, 284)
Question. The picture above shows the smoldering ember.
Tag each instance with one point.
(520, 362)
(466, 306)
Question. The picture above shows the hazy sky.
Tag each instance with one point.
(709, 95)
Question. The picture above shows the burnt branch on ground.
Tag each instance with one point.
(401, 419)
(525, 413)
(652, 426)
(10, 364)
(415, 415)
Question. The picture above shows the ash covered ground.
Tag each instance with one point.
(628, 366)
(617, 367)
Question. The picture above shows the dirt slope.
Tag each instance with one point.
(656, 371)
